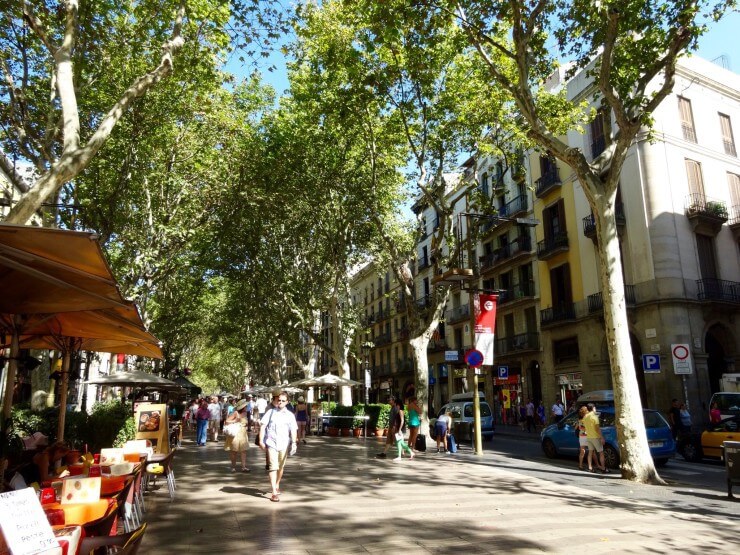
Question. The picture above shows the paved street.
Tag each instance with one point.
(339, 498)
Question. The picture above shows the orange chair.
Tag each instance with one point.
(105, 525)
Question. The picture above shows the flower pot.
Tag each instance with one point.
(333, 431)
(379, 432)
(357, 432)
(346, 432)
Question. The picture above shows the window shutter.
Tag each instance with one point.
(687, 119)
(727, 139)
(693, 174)
(733, 182)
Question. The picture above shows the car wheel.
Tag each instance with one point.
(611, 457)
(691, 452)
(549, 448)
(660, 463)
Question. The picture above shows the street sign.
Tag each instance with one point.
(681, 358)
(474, 358)
(651, 364)
(451, 356)
(503, 372)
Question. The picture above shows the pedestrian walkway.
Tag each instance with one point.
(339, 498)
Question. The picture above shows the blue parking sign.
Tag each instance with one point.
(651, 364)
(503, 372)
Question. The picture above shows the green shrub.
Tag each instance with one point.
(358, 410)
(126, 433)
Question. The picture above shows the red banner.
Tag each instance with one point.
(485, 325)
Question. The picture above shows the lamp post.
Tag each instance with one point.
(366, 367)
(468, 278)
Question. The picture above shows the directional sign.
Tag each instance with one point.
(651, 364)
(681, 358)
(474, 358)
(503, 372)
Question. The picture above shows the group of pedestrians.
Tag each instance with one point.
(279, 427)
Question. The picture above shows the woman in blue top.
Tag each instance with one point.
(301, 416)
(414, 420)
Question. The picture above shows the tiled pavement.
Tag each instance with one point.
(339, 498)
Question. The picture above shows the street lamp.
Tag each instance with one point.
(366, 367)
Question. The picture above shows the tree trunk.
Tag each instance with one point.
(636, 463)
(421, 367)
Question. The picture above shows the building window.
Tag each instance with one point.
(554, 220)
(707, 259)
(565, 350)
(484, 185)
(727, 139)
(598, 138)
(560, 288)
(694, 177)
(687, 119)
(733, 181)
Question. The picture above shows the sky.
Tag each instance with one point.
(720, 44)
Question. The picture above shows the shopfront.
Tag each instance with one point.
(507, 393)
(570, 386)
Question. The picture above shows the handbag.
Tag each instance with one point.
(257, 439)
(232, 429)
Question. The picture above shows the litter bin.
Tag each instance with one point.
(731, 454)
(463, 431)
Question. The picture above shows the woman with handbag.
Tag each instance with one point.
(398, 421)
(235, 430)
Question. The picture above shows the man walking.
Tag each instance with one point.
(530, 415)
(278, 432)
(215, 420)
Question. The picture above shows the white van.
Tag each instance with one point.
(460, 407)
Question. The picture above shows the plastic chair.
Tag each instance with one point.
(167, 472)
(127, 544)
(105, 525)
(125, 499)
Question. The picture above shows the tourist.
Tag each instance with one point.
(237, 442)
(278, 433)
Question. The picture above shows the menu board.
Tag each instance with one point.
(151, 424)
(24, 525)
(80, 490)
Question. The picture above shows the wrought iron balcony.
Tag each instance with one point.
(423, 262)
(529, 341)
(549, 180)
(718, 290)
(383, 314)
(424, 302)
(589, 222)
(552, 246)
(562, 313)
(382, 339)
(514, 206)
(457, 314)
(730, 148)
(596, 301)
(517, 291)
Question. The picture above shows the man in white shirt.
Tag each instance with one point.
(261, 406)
(557, 410)
(278, 433)
(214, 408)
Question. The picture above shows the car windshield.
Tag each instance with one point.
(571, 419)
(727, 401)
(727, 425)
(453, 410)
(485, 410)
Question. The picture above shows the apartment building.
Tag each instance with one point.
(677, 214)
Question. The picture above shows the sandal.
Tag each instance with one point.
(245, 469)
(274, 498)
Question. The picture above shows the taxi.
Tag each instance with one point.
(694, 447)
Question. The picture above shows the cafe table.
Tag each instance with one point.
(69, 538)
(79, 513)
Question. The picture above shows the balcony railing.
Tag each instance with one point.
(517, 291)
(552, 245)
(522, 244)
(423, 262)
(514, 206)
(561, 313)
(383, 314)
(596, 301)
(424, 302)
(730, 147)
(688, 132)
(698, 204)
(457, 314)
(437, 345)
(718, 290)
(589, 222)
(529, 341)
(549, 180)
(382, 339)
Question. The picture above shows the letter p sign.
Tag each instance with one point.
(651, 364)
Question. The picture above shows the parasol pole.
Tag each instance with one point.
(63, 390)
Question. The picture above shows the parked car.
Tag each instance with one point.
(728, 403)
(695, 446)
(461, 410)
(560, 439)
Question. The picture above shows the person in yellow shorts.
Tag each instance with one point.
(594, 439)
